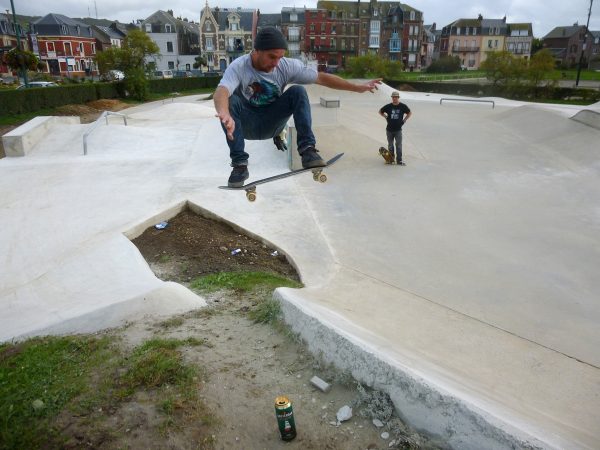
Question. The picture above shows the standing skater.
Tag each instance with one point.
(251, 102)
(396, 114)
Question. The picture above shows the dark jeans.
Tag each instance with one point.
(256, 123)
(395, 136)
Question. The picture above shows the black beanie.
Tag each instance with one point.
(270, 38)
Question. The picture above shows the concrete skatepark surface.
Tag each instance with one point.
(464, 284)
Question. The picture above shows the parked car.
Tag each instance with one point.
(163, 74)
(38, 84)
(112, 75)
(212, 74)
(182, 74)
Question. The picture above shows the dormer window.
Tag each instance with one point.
(148, 28)
(168, 28)
(293, 17)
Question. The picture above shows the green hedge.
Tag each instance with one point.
(513, 92)
(182, 84)
(18, 101)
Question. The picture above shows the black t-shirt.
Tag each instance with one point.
(395, 115)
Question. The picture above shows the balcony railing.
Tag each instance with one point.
(293, 38)
(235, 48)
(465, 49)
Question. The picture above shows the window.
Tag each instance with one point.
(209, 44)
(168, 28)
(466, 31)
(170, 47)
(148, 28)
(234, 26)
(94, 47)
(68, 50)
(50, 46)
(412, 15)
(496, 43)
(489, 43)
(81, 48)
(332, 43)
(458, 31)
(322, 27)
(171, 65)
(312, 28)
(293, 17)
(375, 24)
(374, 41)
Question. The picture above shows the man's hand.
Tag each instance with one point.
(370, 86)
(334, 82)
(221, 100)
(228, 123)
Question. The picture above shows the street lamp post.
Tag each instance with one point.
(584, 44)
(19, 45)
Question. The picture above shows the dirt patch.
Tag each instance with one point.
(192, 246)
(248, 364)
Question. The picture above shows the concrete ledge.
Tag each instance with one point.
(21, 140)
(330, 102)
(417, 402)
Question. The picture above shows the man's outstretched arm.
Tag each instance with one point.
(221, 100)
(335, 82)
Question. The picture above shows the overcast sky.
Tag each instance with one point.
(543, 14)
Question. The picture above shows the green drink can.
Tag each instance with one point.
(285, 418)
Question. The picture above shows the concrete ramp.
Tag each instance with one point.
(588, 117)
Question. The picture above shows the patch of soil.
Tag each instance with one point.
(248, 364)
(192, 246)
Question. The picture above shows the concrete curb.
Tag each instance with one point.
(419, 403)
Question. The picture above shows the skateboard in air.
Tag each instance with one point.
(387, 155)
(318, 175)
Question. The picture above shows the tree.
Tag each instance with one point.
(446, 64)
(369, 66)
(19, 60)
(200, 62)
(131, 59)
(502, 68)
(540, 67)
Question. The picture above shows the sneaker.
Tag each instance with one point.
(311, 158)
(279, 143)
(400, 163)
(239, 174)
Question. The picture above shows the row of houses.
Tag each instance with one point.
(326, 36)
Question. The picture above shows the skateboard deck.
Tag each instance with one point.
(318, 175)
(389, 158)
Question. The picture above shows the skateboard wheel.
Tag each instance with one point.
(251, 196)
(322, 178)
(316, 175)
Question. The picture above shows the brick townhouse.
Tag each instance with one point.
(67, 47)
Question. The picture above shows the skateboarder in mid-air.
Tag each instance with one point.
(251, 102)
(396, 114)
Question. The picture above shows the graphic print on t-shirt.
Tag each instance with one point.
(262, 92)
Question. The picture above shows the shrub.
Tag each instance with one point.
(446, 64)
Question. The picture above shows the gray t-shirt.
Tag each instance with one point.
(262, 88)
